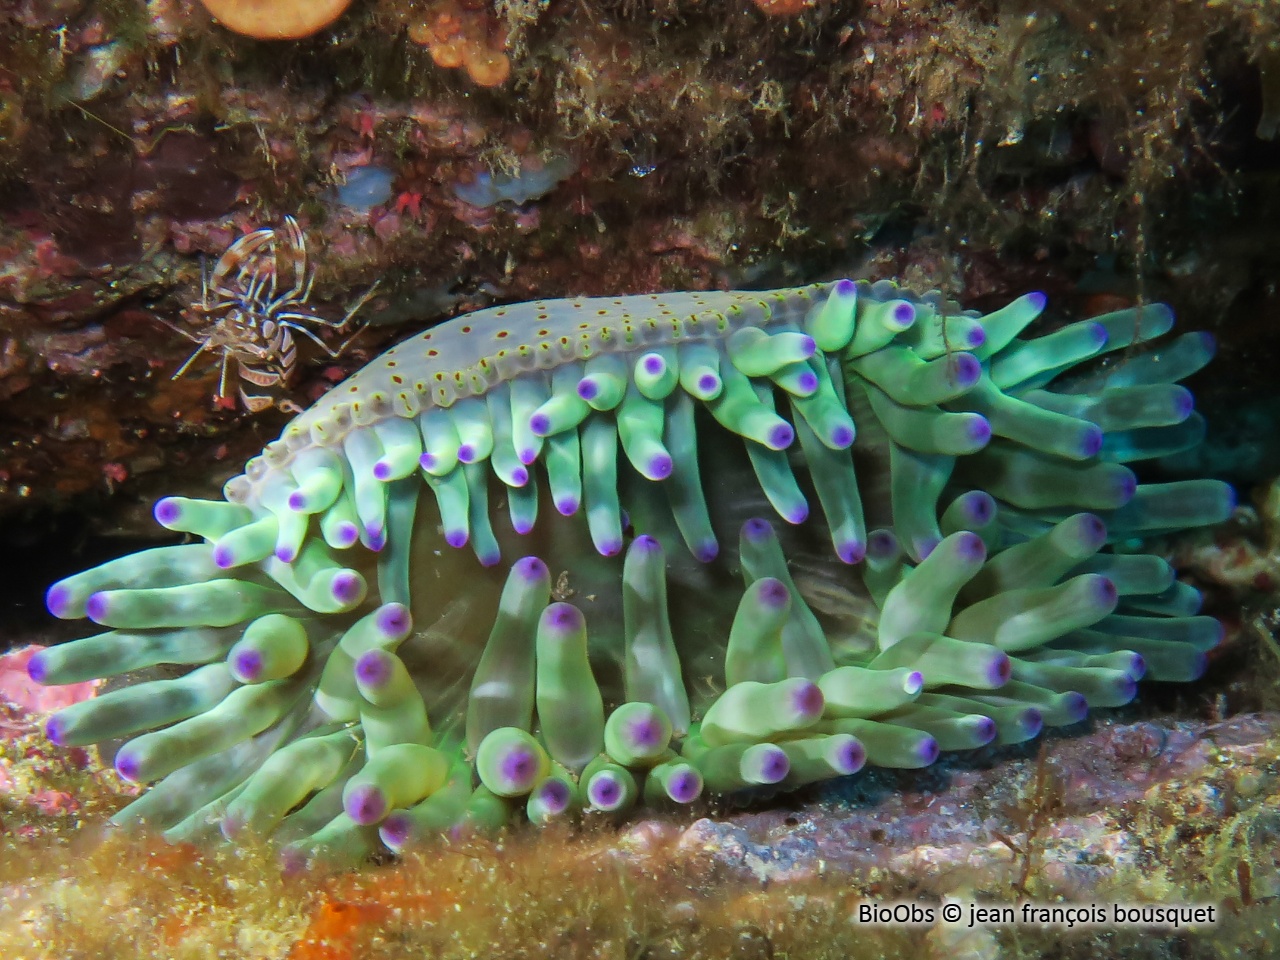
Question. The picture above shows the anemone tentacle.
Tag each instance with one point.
(790, 533)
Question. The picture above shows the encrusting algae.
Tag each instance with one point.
(664, 889)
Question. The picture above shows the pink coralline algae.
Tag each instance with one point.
(27, 766)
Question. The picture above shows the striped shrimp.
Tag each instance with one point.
(252, 304)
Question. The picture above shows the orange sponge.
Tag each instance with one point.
(458, 37)
(276, 19)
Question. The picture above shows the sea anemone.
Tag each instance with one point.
(365, 668)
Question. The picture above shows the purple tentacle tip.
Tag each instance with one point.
(377, 537)
(645, 543)
(1183, 403)
(609, 548)
(914, 683)
(797, 515)
(554, 795)
(567, 506)
(223, 556)
(644, 732)
(428, 460)
(708, 382)
(366, 804)
(807, 381)
(965, 369)
(684, 786)
(456, 538)
(1032, 722)
(518, 766)
(1221, 632)
(56, 730)
(489, 559)
(1077, 706)
(604, 790)
(286, 553)
(128, 765)
(58, 600)
(977, 337)
(982, 508)
(382, 470)
(1128, 688)
(986, 729)
(97, 607)
(1100, 335)
(999, 670)
(881, 544)
(757, 529)
(1091, 441)
(927, 750)
(851, 552)
(374, 668)
(979, 430)
(781, 435)
(1105, 593)
(1093, 532)
(808, 700)
(1137, 667)
(588, 389)
(660, 466)
(248, 666)
(842, 436)
(167, 511)
(654, 365)
(775, 766)
(706, 551)
(37, 669)
(1126, 487)
(564, 616)
(467, 453)
(346, 586)
(345, 534)
(850, 757)
(904, 314)
(846, 287)
(530, 568)
(970, 548)
(394, 620)
(298, 499)
(527, 455)
(519, 476)
(1037, 300)
(396, 830)
(540, 424)
(773, 593)
(808, 347)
